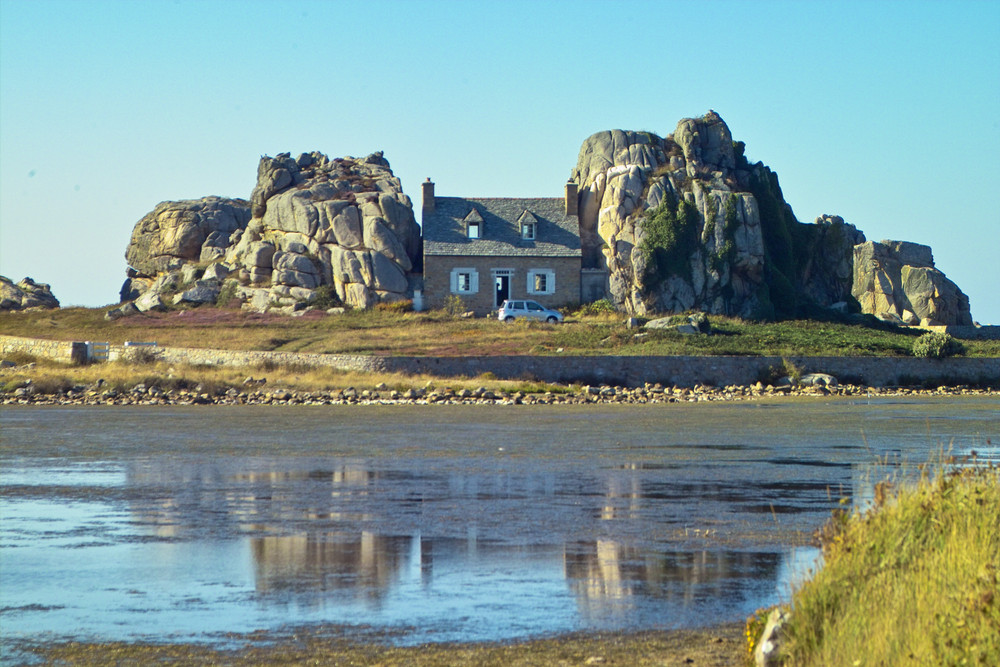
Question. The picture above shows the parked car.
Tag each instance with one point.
(511, 309)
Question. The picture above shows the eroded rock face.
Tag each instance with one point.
(827, 263)
(311, 221)
(25, 294)
(729, 243)
(897, 281)
(623, 175)
(177, 232)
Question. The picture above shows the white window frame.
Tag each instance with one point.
(549, 278)
(473, 281)
(478, 226)
(528, 231)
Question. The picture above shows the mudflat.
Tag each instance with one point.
(721, 645)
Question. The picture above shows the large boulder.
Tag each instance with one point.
(311, 221)
(175, 232)
(25, 294)
(897, 281)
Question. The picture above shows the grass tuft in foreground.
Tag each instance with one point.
(914, 580)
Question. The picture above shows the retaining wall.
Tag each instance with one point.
(685, 371)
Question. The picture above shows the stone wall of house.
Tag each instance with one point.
(681, 371)
(437, 280)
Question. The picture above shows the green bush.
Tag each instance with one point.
(935, 345)
(910, 581)
(325, 298)
(454, 305)
(599, 307)
(671, 237)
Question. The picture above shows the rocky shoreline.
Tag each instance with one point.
(253, 393)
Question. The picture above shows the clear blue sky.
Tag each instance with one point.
(887, 113)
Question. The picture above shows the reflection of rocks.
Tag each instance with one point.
(604, 575)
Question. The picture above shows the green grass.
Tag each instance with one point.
(914, 581)
(438, 334)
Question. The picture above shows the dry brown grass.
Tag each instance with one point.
(51, 377)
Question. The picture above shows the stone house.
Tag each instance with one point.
(486, 250)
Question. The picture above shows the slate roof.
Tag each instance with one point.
(556, 234)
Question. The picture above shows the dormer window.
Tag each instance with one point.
(529, 225)
(473, 225)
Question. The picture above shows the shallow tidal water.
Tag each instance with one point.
(441, 523)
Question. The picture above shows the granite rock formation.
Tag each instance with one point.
(176, 234)
(311, 222)
(25, 294)
(686, 222)
(716, 253)
(896, 281)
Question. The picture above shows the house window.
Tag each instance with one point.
(473, 224)
(541, 281)
(529, 225)
(464, 281)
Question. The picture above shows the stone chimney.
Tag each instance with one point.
(572, 198)
(428, 193)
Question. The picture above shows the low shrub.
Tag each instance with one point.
(454, 305)
(325, 297)
(599, 307)
(934, 345)
(228, 294)
(402, 306)
(791, 370)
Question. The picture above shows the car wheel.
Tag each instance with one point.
(552, 319)
(509, 318)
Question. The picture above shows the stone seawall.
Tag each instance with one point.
(688, 371)
(631, 371)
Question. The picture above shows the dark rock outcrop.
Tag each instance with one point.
(25, 294)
